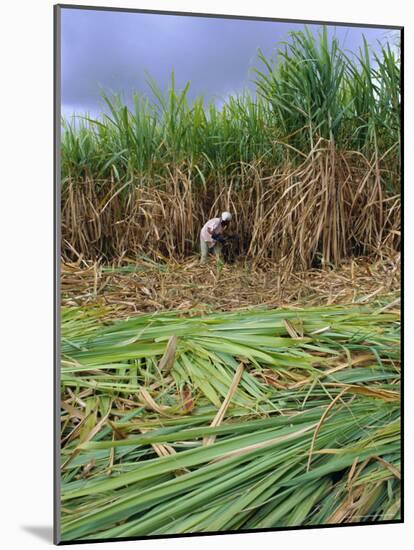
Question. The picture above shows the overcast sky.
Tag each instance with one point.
(115, 50)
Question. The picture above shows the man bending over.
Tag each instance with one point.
(211, 235)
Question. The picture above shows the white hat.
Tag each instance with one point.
(226, 216)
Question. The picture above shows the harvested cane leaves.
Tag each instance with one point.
(283, 429)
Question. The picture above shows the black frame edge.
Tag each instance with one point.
(56, 270)
(229, 16)
(402, 305)
(233, 532)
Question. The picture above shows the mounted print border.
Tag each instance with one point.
(228, 275)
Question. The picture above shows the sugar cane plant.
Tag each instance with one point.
(321, 135)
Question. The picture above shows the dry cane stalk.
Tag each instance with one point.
(209, 440)
(324, 415)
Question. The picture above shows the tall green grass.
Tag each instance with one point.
(312, 89)
(309, 165)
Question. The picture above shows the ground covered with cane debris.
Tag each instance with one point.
(144, 285)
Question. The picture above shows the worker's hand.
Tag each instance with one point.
(218, 238)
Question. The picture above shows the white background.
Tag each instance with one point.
(26, 291)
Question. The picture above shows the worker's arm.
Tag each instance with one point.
(219, 238)
(211, 229)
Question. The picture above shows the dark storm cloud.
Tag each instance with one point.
(115, 50)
